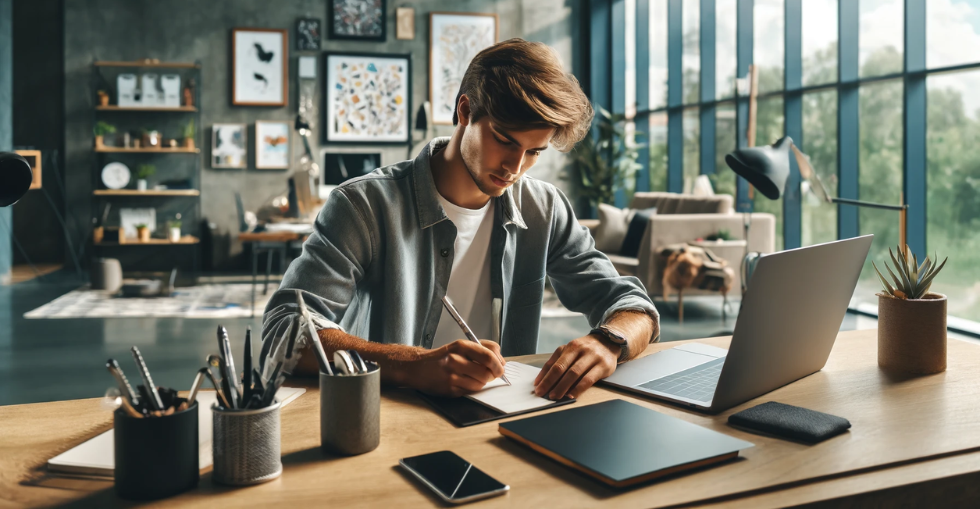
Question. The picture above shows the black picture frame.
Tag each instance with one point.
(326, 97)
(336, 32)
(309, 34)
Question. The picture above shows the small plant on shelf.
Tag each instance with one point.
(100, 130)
(143, 232)
(143, 172)
(189, 131)
(174, 229)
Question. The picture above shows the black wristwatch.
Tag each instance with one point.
(617, 338)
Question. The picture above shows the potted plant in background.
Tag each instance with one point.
(911, 319)
(142, 233)
(143, 172)
(100, 130)
(151, 138)
(173, 227)
(189, 134)
(606, 161)
(103, 97)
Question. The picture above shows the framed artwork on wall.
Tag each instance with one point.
(308, 34)
(405, 23)
(228, 146)
(367, 98)
(454, 39)
(364, 20)
(259, 72)
(272, 145)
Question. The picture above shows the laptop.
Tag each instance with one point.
(787, 324)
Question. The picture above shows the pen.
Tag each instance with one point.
(466, 328)
(247, 390)
(217, 387)
(124, 387)
(198, 378)
(151, 388)
(231, 376)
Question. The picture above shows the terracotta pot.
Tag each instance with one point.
(99, 141)
(143, 234)
(97, 234)
(189, 143)
(912, 334)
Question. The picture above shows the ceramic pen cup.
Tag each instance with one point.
(246, 445)
(350, 412)
(155, 457)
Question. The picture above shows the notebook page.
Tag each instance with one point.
(516, 397)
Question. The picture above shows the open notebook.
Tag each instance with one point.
(96, 457)
(514, 398)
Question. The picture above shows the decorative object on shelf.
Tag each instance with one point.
(259, 67)
(189, 92)
(142, 233)
(152, 94)
(170, 90)
(405, 23)
(606, 162)
(339, 167)
(172, 143)
(308, 34)
(272, 145)
(151, 138)
(368, 98)
(130, 218)
(143, 172)
(911, 319)
(103, 97)
(189, 132)
(100, 130)
(127, 93)
(115, 175)
(454, 39)
(228, 145)
(363, 20)
(173, 227)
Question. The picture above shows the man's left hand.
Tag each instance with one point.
(575, 367)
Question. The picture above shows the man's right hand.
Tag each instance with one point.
(461, 367)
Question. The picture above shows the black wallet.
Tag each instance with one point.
(790, 422)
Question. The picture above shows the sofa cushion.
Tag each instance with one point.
(634, 234)
(625, 265)
(674, 203)
(613, 225)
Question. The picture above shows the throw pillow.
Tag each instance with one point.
(634, 232)
(613, 224)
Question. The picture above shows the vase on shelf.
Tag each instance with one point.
(189, 143)
(141, 185)
(99, 141)
(143, 234)
(174, 234)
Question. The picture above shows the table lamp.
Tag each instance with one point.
(15, 178)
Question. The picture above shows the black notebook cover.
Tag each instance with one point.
(465, 412)
(621, 443)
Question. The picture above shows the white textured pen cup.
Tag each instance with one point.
(246, 445)
(350, 412)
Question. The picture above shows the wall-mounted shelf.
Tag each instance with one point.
(146, 63)
(163, 150)
(185, 240)
(149, 192)
(113, 107)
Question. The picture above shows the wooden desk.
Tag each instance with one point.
(914, 441)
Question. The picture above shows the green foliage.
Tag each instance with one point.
(141, 226)
(189, 129)
(145, 171)
(103, 128)
(174, 224)
(721, 235)
(605, 162)
(913, 280)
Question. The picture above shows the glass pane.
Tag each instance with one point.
(880, 37)
(658, 151)
(723, 179)
(880, 170)
(953, 187)
(725, 46)
(692, 148)
(769, 22)
(820, 143)
(630, 57)
(769, 128)
(658, 53)
(952, 32)
(692, 50)
(819, 41)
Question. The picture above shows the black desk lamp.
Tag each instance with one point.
(15, 178)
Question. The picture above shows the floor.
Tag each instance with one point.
(49, 360)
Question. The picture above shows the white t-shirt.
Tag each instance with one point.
(469, 279)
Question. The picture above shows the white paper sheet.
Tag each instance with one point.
(516, 397)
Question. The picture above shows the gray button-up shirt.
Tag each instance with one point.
(377, 264)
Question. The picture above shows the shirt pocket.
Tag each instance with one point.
(527, 294)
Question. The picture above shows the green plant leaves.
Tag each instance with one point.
(914, 280)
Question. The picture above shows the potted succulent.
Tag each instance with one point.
(151, 138)
(143, 172)
(142, 233)
(100, 130)
(189, 134)
(911, 319)
(173, 227)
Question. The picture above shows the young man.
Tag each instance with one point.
(463, 219)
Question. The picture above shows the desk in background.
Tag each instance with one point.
(269, 242)
(914, 442)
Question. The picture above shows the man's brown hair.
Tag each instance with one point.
(521, 85)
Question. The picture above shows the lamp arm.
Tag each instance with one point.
(860, 203)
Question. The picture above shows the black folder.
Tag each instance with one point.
(621, 443)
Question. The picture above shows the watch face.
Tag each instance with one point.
(115, 175)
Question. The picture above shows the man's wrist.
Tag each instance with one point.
(617, 343)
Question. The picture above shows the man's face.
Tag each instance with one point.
(495, 158)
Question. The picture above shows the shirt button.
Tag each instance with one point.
(444, 253)
(428, 337)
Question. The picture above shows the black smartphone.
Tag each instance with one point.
(454, 479)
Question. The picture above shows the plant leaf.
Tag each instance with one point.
(898, 283)
(888, 288)
(902, 269)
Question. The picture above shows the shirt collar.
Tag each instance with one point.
(430, 211)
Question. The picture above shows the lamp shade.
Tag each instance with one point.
(15, 178)
(765, 167)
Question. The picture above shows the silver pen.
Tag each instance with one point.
(466, 328)
(123, 382)
(151, 388)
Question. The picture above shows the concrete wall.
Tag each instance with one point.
(188, 30)
(6, 126)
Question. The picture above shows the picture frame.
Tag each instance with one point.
(454, 39)
(405, 23)
(33, 158)
(362, 20)
(308, 34)
(367, 98)
(229, 146)
(260, 67)
(272, 141)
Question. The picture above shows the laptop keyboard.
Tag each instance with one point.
(697, 383)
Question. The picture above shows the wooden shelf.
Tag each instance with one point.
(149, 192)
(113, 107)
(185, 240)
(143, 63)
(165, 150)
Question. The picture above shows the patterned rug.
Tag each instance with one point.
(202, 301)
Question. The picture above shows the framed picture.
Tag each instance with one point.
(367, 98)
(405, 23)
(259, 67)
(272, 145)
(228, 146)
(308, 34)
(357, 19)
(338, 167)
(454, 39)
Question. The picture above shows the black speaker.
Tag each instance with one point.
(15, 178)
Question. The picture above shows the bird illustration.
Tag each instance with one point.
(265, 56)
(275, 141)
(261, 78)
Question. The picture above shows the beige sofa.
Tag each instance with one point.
(684, 218)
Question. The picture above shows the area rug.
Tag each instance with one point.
(203, 301)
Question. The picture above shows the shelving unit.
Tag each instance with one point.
(113, 107)
(185, 240)
(149, 192)
(161, 150)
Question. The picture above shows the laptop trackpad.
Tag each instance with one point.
(657, 365)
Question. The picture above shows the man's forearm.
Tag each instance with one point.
(391, 358)
(638, 327)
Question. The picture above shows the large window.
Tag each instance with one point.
(725, 46)
(692, 147)
(819, 42)
(769, 29)
(770, 128)
(881, 37)
(819, 222)
(692, 50)
(953, 32)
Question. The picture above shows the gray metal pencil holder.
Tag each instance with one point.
(246, 445)
(350, 412)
